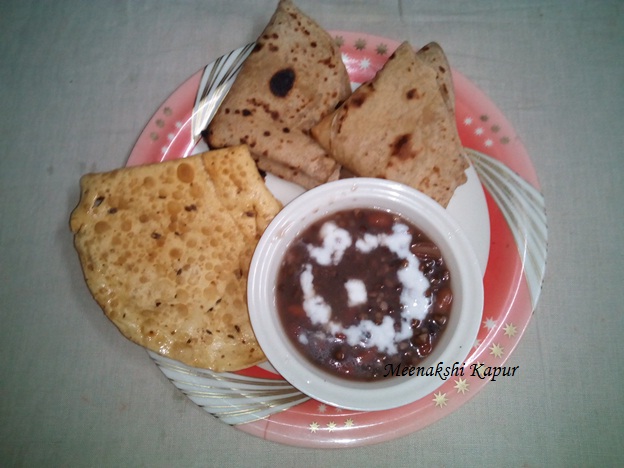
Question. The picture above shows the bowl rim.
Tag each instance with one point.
(427, 215)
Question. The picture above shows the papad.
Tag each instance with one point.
(165, 250)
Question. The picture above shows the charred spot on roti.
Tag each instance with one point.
(328, 62)
(273, 114)
(401, 147)
(359, 100)
(282, 82)
(444, 90)
(412, 93)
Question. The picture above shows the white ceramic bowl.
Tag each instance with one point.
(467, 286)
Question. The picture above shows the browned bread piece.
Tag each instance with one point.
(165, 249)
(293, 78)
(401, 126)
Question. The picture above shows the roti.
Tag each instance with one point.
(292, 78)
(401, 126)
(165, 250)
(433, 56)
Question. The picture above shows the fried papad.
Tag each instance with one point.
(292, 78)
(400, 126)
(165, 250)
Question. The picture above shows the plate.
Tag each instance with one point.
(501, 208)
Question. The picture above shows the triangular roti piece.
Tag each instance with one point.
(293, 78)
(399, 127)
(165, 250)
(433, 55)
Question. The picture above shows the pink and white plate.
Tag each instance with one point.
(506, 224)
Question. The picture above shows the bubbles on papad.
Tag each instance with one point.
(165, 250)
